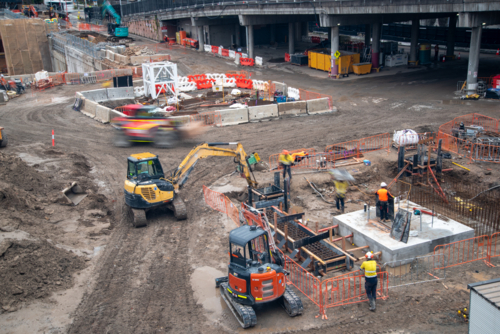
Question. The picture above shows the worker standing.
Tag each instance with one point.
(341, 190)
(383, 196)
(370, 269)
(286, 161)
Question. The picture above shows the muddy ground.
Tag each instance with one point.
(104, 276)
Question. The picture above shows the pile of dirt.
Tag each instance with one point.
(32, 270)
(139, 51)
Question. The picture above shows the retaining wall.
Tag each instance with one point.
(262, 112)
(318, 106)
(292, 108)
(233, 116)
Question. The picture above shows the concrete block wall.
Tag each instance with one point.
(153, 58)
(122, 59)
(89, 107)
(99, 95)
(297, 108)
(234, 116)
(262, 112)
(103, 114)
(318, 106)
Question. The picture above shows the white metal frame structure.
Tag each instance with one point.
(161, 75)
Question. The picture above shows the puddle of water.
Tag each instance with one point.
(205, 292)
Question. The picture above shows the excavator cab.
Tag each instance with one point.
(253, 278)
(145, 168)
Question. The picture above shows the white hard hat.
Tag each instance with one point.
(383, 184)
(369, 255)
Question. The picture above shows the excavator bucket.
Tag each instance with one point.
(74, 194)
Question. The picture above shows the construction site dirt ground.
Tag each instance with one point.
(85, 269)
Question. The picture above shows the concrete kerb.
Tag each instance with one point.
(298, 108)
(102, 114)
(233, 116)
(262, 112)
(319, 106)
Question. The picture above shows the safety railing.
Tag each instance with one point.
(339, 291)
(221, 203)
(308, 284)
(453, 144)
(488, 123)
(464, 251)
(494, 246)
(485, 153)
(420, 269)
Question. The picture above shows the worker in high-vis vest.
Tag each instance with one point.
(370, 269)
(286, 161)
(383, 196)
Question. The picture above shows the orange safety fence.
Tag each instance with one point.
(306, 95)
(488, 123)
(58, 79)
(485, 153)
(494, 246)
(104, 75)
(221, 203)
(212, 118)
(345, 290)
(453, 144)
(304, 281)
(310, 152)
(464, 251)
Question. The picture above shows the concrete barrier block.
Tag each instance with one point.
(89, 108)
(292, 108)
(96, 95)
(79, 95)
(234, 116)
(262, 112)
(319, 106)
(122, 59)
(102, 114)
(120, 93)
(110, 55)
(281, 86)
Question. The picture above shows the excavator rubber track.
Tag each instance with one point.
(139, 218)
(292, 303)
(179, 208)
(243, 313)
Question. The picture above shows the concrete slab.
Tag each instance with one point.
(234, 116)
(262, 112)
(438, 233)
(297, 108)
(319, 106)
(102, 114)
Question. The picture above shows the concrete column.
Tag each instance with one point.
(272, 29)
(377, 31)
(368, 34)
(452, 29)
(298, 31)
(237, 34)
(291, 38)
(415, 27)
(250, 42)
(475, 46)
(201, 39)
(334, 33)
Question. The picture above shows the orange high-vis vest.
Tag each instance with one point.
(382, 195)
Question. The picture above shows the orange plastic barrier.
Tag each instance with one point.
(221, 203)
(225, 53)
(196, 77)
(204, 84)
(287, 57)
(244, 83)
(236, 76)
(464, 251)
(345, 290)
(215, 49)
(247, 61)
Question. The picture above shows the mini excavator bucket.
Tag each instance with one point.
(74, 194)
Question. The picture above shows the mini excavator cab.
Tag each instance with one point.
(253, 278)
(149, 167)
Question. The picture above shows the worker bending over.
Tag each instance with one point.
(341, 190)
(286, 162)
(383, 196)
(370, 269)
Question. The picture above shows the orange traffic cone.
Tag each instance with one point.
(458, 56)
(498, 52)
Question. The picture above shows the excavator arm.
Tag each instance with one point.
(107, 7)
(202, 151)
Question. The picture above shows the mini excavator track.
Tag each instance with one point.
(292, 303)
(243, 313)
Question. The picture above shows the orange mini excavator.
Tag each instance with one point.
(256, 274)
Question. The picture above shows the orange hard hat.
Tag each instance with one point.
(285, 152)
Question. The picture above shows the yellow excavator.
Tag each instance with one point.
(147, 186)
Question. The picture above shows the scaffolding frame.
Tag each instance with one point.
(160, 77)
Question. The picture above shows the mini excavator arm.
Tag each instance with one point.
(202, 151)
